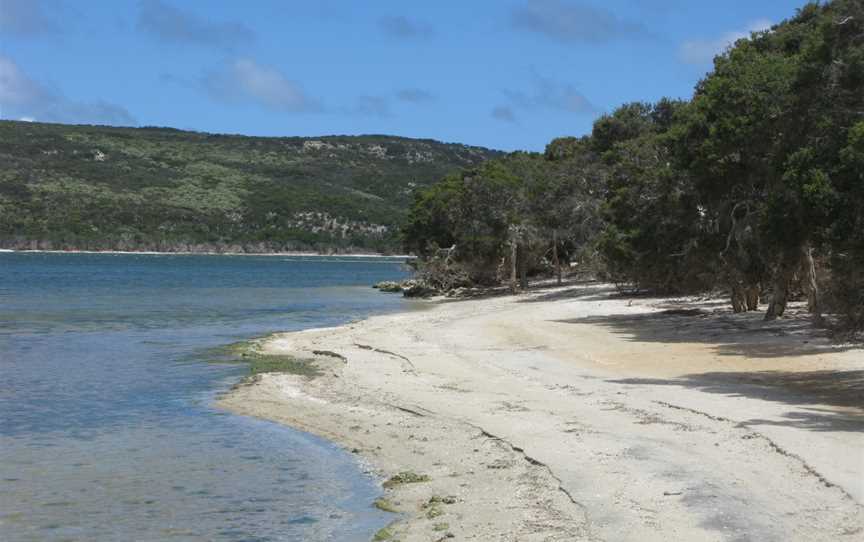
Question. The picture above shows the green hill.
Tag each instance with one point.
(105, 188)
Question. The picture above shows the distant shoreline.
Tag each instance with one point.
(156, 253)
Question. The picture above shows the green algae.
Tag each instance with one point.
(406, 477)
(259, 362)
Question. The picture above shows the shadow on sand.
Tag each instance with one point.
(745, 334)
(809, 391)
(545, 290)
(814, 393)
(587, 290)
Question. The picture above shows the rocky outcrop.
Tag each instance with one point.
(409, 288)
(416, 288)
(389, 286)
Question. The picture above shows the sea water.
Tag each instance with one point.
(108, 429)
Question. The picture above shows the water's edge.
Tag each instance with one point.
(108, 417)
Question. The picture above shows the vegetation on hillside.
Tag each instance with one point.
(98, 188)
(756, 184)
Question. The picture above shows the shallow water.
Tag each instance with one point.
(107, 430)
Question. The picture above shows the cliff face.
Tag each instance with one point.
(102, 188)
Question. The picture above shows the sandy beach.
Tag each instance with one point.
(572, 413)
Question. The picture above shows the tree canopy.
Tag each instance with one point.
(755, 184)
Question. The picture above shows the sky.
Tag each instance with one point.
(504, 74)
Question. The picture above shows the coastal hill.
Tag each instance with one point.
(106, 188)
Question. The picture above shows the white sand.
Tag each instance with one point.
(565, 414)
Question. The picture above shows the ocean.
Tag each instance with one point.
(107, 425)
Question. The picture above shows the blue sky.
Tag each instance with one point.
(507, 74)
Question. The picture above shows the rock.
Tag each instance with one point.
(409, 288)
(415, 288)
(388, 286)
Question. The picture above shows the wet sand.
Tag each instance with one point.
(570, 413)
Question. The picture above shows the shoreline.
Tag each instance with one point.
(568, 413)
(155, 253)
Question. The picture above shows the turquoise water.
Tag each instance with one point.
(107, 429)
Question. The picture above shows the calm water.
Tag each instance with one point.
(106, 426)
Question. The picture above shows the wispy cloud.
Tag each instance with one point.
(544, 93)
(402, 27)
(27, 18)
(370, 106)
(172, 24)
(27, 99)
(573, 21)
(704, 51)
(503, 113)
(415, 95)
(550, 94)
(243, 80)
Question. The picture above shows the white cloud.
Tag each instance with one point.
(27, 119)
(16, 89)
(25, 98)
(704, 51)
(244, 80)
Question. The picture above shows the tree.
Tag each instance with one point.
(654, 225)
(474, 210)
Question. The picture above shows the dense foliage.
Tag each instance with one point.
(87, 187)
(755, 185)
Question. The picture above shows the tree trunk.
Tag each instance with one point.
(813, 302)
(514, 286)
(738, 302)
(555, 261)
(752, 295)
(780, 295)
(523, 268)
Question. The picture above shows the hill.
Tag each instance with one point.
(106, 188)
